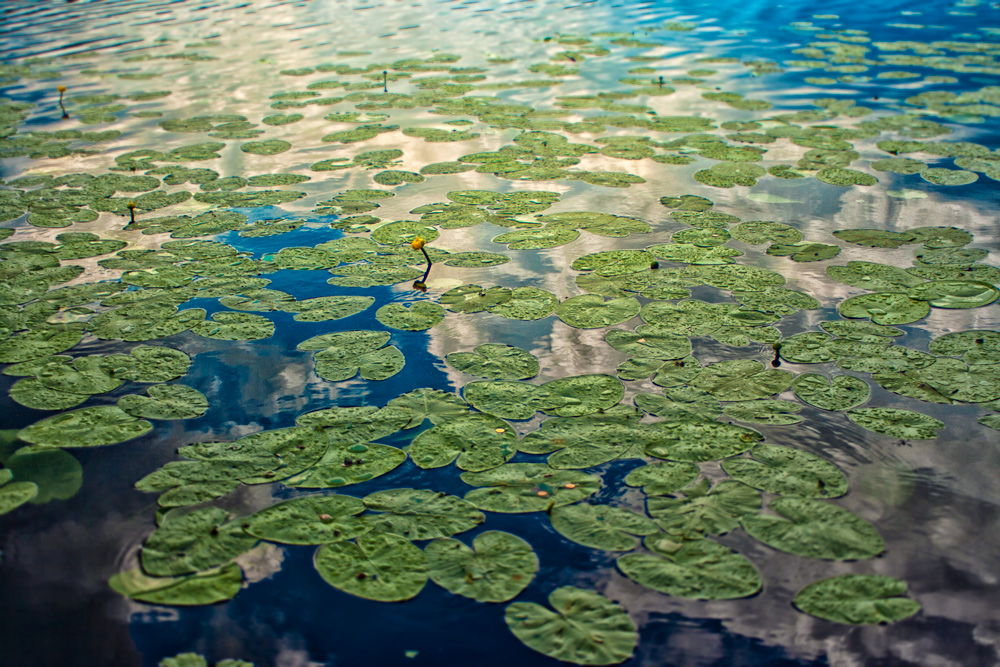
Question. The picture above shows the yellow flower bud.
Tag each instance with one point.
(131, 204)
(61, 89)
(417, 243)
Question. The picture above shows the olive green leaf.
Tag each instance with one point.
(478, 442)
(308, 520)
(873, 276)
(86, 427)
(325, 308)
(680, 403)
(896, 423)
(235, 326)
(200, 588)
(841, 393)
(660, 479)
(585, 629)
(955, 293)
(514, 488)
(166, 401)
(786, 471)
(741, 380)
(381, 566)
(32, 393)
(15, 494)
(804, 252)
(649, 342)
(418, 316)
(765, 411)
(814, 529)
(434, 404)
(348, 464)
(332, 365)
(526, 303)
(875, 238)
(601, 526)
(503, 362)
(418, 514)
(56, 473)
(702, 511)
(857, 599)
(763, 231)
(699, 570)
(496, 569)
(696, 441)
(474, 298)
(885, 308)
(193, 542)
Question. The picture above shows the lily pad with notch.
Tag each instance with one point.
(496, 569)
(814, 529)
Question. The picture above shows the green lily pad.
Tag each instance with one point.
(235, 326)
(476, 259)
(503, 362)
(814, 529)
(601, 526)
(680, 403)
(591, 311)
(40, 342)
(649, 342)
(86, 427)
(515, 488)
(841, 393)
(56, 473)
(381, 566)
(788, 472)
(418, 514)
(957, 257)
(765, 411)
(15, 494)
(964, 342)
(312, 519)
(201, 588)
(857, 599)
(325, 308)
(478, 442)
(396, 233)
(348, 464)
(872, 276)
(433, 404)
(585, 629)
(845, 178)
(741, 380)
(474, 298)
(166, 401)
(660, 479)
(539, 238)
(874, 238)
(418, 316)
(955, 293)
(496, 569)
(958, 381)
(699, 570)
(942, 176)
(804, 252)
(335, 365)
(903, 424)
(32, 393)
(192, 542)
(696, 440)
(526, 303)
(884, 308)
(702, 511)
(587, 441)
(763, 231)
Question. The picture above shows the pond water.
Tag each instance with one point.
(217, 219)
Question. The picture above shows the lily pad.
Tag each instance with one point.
(955, 293)
(904, 424)
(335, 365)
(814, 529)
(86, 427)
(885, 308)
(312, 519)
(765, 411)
(166, 401)
(15, 494)
(496, 569)
(591, 311)
(433, 404)
(515, 488)
(703, 509)
(192, 542)
(841, 393)
(323, 308)
(787, 471)
(418, 514)
(857, 599)
(585, 629)
(741, 380)
(235, 326)
(381, 566)
(601, 526)
(804, 252)
(660, 479)
(474, 298)
(201, 588)
(478, 442)
(699, 570)
(503, 362)
(526, 303)
(348, 464)
(418, 316)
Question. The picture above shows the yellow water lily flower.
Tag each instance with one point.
(417, 243)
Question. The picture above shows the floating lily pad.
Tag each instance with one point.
(381, 566)
(590, 311)
(32, 393)
(433, 404)
(765, 411)
(526, 303)
(201, 588)
(741, 380)
(651, 343)
(601, 526)
(658, 479)
(312, 519)
(496, 569)
(539, 238)
(942, 176)
(86, 427)
(955, 293)
(15, 494)
(703, 511)
(680, 403)
(502, 362)
(699, 570)
(872, 276)
(841, 393)
(474, 298)
(845, 178)
(478, 442)
(418, 316)
(348, 464)
(697, 440)
(814, 529)
(325, 308)
(885, 308)
(857, 599)
(418, 514)
(514, 488)
(56, 473)
(804, 252)
(192, 542)
(166, 401)
(235, 326)
(788, 472)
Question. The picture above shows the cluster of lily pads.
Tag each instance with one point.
(386, 545)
